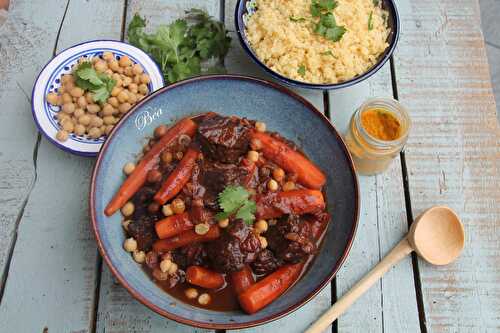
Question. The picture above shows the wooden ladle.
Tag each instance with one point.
(437, 236)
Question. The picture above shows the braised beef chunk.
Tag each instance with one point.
(216, 176)
(143, 231)
(189, 255)
(290, 239)
(265, 263)
(224, 139)
(237, 246)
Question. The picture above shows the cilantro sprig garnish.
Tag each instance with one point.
(297, 19)
(327, 25)
(100, 84)
(181, 47)
(301, 70)
(235, 201)
(370, 21)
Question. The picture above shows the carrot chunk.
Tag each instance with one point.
(173, 225)
(203, 277)
(297, 202)
(185, 238)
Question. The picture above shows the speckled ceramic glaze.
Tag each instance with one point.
(246, 8)
(282, 111)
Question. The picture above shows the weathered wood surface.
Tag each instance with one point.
(453, 155)
(391, 304)
(26, 43)
(52, 277)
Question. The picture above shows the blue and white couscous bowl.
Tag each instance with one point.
(67, 114)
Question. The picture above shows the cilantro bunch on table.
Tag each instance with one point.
(235, 201)
(185, 47)
(327, 25)
(99, 84)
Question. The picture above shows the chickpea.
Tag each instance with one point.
(122, 97)
(84, 120)
(201, 228)
(119, 82)
(204, 299)
(253, 156)
(128, 209)
(125, 224)
(272, 185)
(140, 97)
(108, 129)
(89, 98)
(160, 131)
(154, 176)
(101, 66)
(68, 125)
(139, 256)
(124, 108)
(191, 293)
(68, 86)
(263, 242)
(68, 108)
(108, 56)
(61, 116)
(127, 81)
(61, 90)
(95, 133)
(53, 98)
(78, 113)
(137, 79)
(119, 70)
(76, 92)
(165, 265)
(93, 108)
(125, 61)
(109, 120)
(178, 206)
(278, 174)
(223, 223)
(107, 110)
(132, 98)
(115, 91)
(66, 98)
(82, 102)
(79, 129)
(128, 168)
(260, 226)
(96, 121)
(114, 65)
(130, 244)
(67, 78)
(133, 87)
(103, 129)
(137, 69)
(113, 101)
(288, 186)
(167, 210)
(173, 269)
(62, 135)
(255, 144)
(128, 71)
(143, 89)
(145, 78)
(260, 126)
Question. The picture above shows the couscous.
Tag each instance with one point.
(318, 41)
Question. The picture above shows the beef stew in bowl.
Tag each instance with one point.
(222, 214)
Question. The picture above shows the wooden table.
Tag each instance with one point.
(53, 280)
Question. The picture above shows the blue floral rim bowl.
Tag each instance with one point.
(49, 80)
(247, 7)
(282, 111)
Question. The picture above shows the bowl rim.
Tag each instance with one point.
(54, 58)
(136, 294)
(387, 54)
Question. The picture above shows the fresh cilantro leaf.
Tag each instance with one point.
(100, 84)
(335, 34)
(297, 19)
(370, 21)
(329, 52)
(246, 212)
(375, 3)
(301, 70)
(328, 20)
(182, 47)
(320, 6)
(234, 200)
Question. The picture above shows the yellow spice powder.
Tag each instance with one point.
(381, 124)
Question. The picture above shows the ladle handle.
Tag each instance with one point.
(397, 253)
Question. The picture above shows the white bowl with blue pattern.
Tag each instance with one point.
(49, 80)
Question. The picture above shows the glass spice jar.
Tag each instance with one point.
(372, 154)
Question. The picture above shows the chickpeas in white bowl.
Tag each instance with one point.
(85, 90)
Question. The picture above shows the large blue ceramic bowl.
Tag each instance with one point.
(247, 7)
(282, 111)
